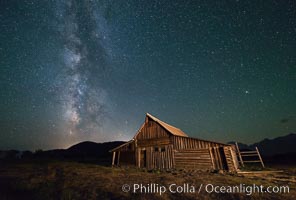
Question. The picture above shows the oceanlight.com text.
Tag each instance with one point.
(154, 188)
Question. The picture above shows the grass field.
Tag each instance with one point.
(71, 180)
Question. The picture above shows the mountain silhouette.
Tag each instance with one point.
(92, 148)
(271, 147)
(280, 145)
(87, 151)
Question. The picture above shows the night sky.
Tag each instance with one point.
(90, 70)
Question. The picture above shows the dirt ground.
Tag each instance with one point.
(71, 180)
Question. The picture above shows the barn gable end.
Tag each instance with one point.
(155, 128)
(151, 130)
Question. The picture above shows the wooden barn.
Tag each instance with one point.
(158, 145)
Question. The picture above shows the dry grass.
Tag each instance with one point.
(70, 180)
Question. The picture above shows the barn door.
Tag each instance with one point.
(143, 159)
(223, 158)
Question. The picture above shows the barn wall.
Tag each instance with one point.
(153, 142)
(160, 160)
(125, 155)
(192, 143)
(156, 159)
(150, 137)
(193, 158)
(152, 130)
(203, 154)
(127, 158)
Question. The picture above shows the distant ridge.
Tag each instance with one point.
(271, 147)
(87, 151)
(93, 148)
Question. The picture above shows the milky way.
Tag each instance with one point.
(90, 70)
(83, 31)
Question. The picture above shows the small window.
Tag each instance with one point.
(156, 149)
(162, 149)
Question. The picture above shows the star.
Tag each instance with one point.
(93, 68)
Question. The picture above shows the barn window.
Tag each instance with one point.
(162, 149)
(156, 149)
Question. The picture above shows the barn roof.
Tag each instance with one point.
(171, 129)
(120, 146)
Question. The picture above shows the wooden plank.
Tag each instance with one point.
(212, 158)
(193, 166)
(229, 161)
(219, 158)
(113, 158)
(260, 157)
(198, 156)
(260, 172)
(193, 150)
(191, 155)
(194, 163)
(208, 165)
(173, 158)
(247, 152)
(118, 157)
(193, 160)
(239, 154)
(139, 157)
(246, 155)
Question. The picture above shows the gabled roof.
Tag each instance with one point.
(171, 129)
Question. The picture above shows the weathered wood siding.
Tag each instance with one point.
(217, 159)
(127, 158)
(156, 159)
(208, 155)
(230, 158)
(152, 130)
(193, 158)
(153, 142)
(192, 143)
(125, 155)
(150, 137)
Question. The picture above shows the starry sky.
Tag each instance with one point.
(90, 70)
